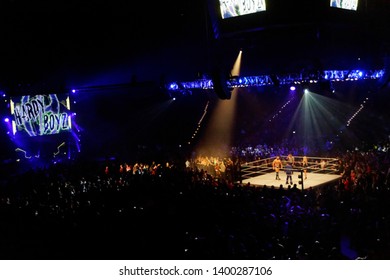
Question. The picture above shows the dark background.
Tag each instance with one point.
(119, 55)
(78, 43)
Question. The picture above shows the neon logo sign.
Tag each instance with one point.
(41, 115)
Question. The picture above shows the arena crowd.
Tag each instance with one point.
(182, 209)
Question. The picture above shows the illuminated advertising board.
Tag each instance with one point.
(345, 4)
(38, 115)
(235, 8)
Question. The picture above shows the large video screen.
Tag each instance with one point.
(345, 4)
(38, 115)
(235, 8)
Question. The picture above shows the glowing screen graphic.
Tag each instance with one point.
(345, 4)
(39, 115)
(235, 8)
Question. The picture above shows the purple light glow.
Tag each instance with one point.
(292, 88)
(173, 86)
(6, 120)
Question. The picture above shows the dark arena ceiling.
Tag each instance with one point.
(79, 43)
(103, 48)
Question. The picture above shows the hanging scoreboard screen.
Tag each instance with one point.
(39, 115)
(236, 8)
(345, 4)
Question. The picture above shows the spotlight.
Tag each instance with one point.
(220, 85)
(6, 120)
(292, 88)
(73, 91)
(306, 90)
(173, 86)
(275, 80)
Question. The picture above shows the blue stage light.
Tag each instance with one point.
(173, 86)
(282, 79)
